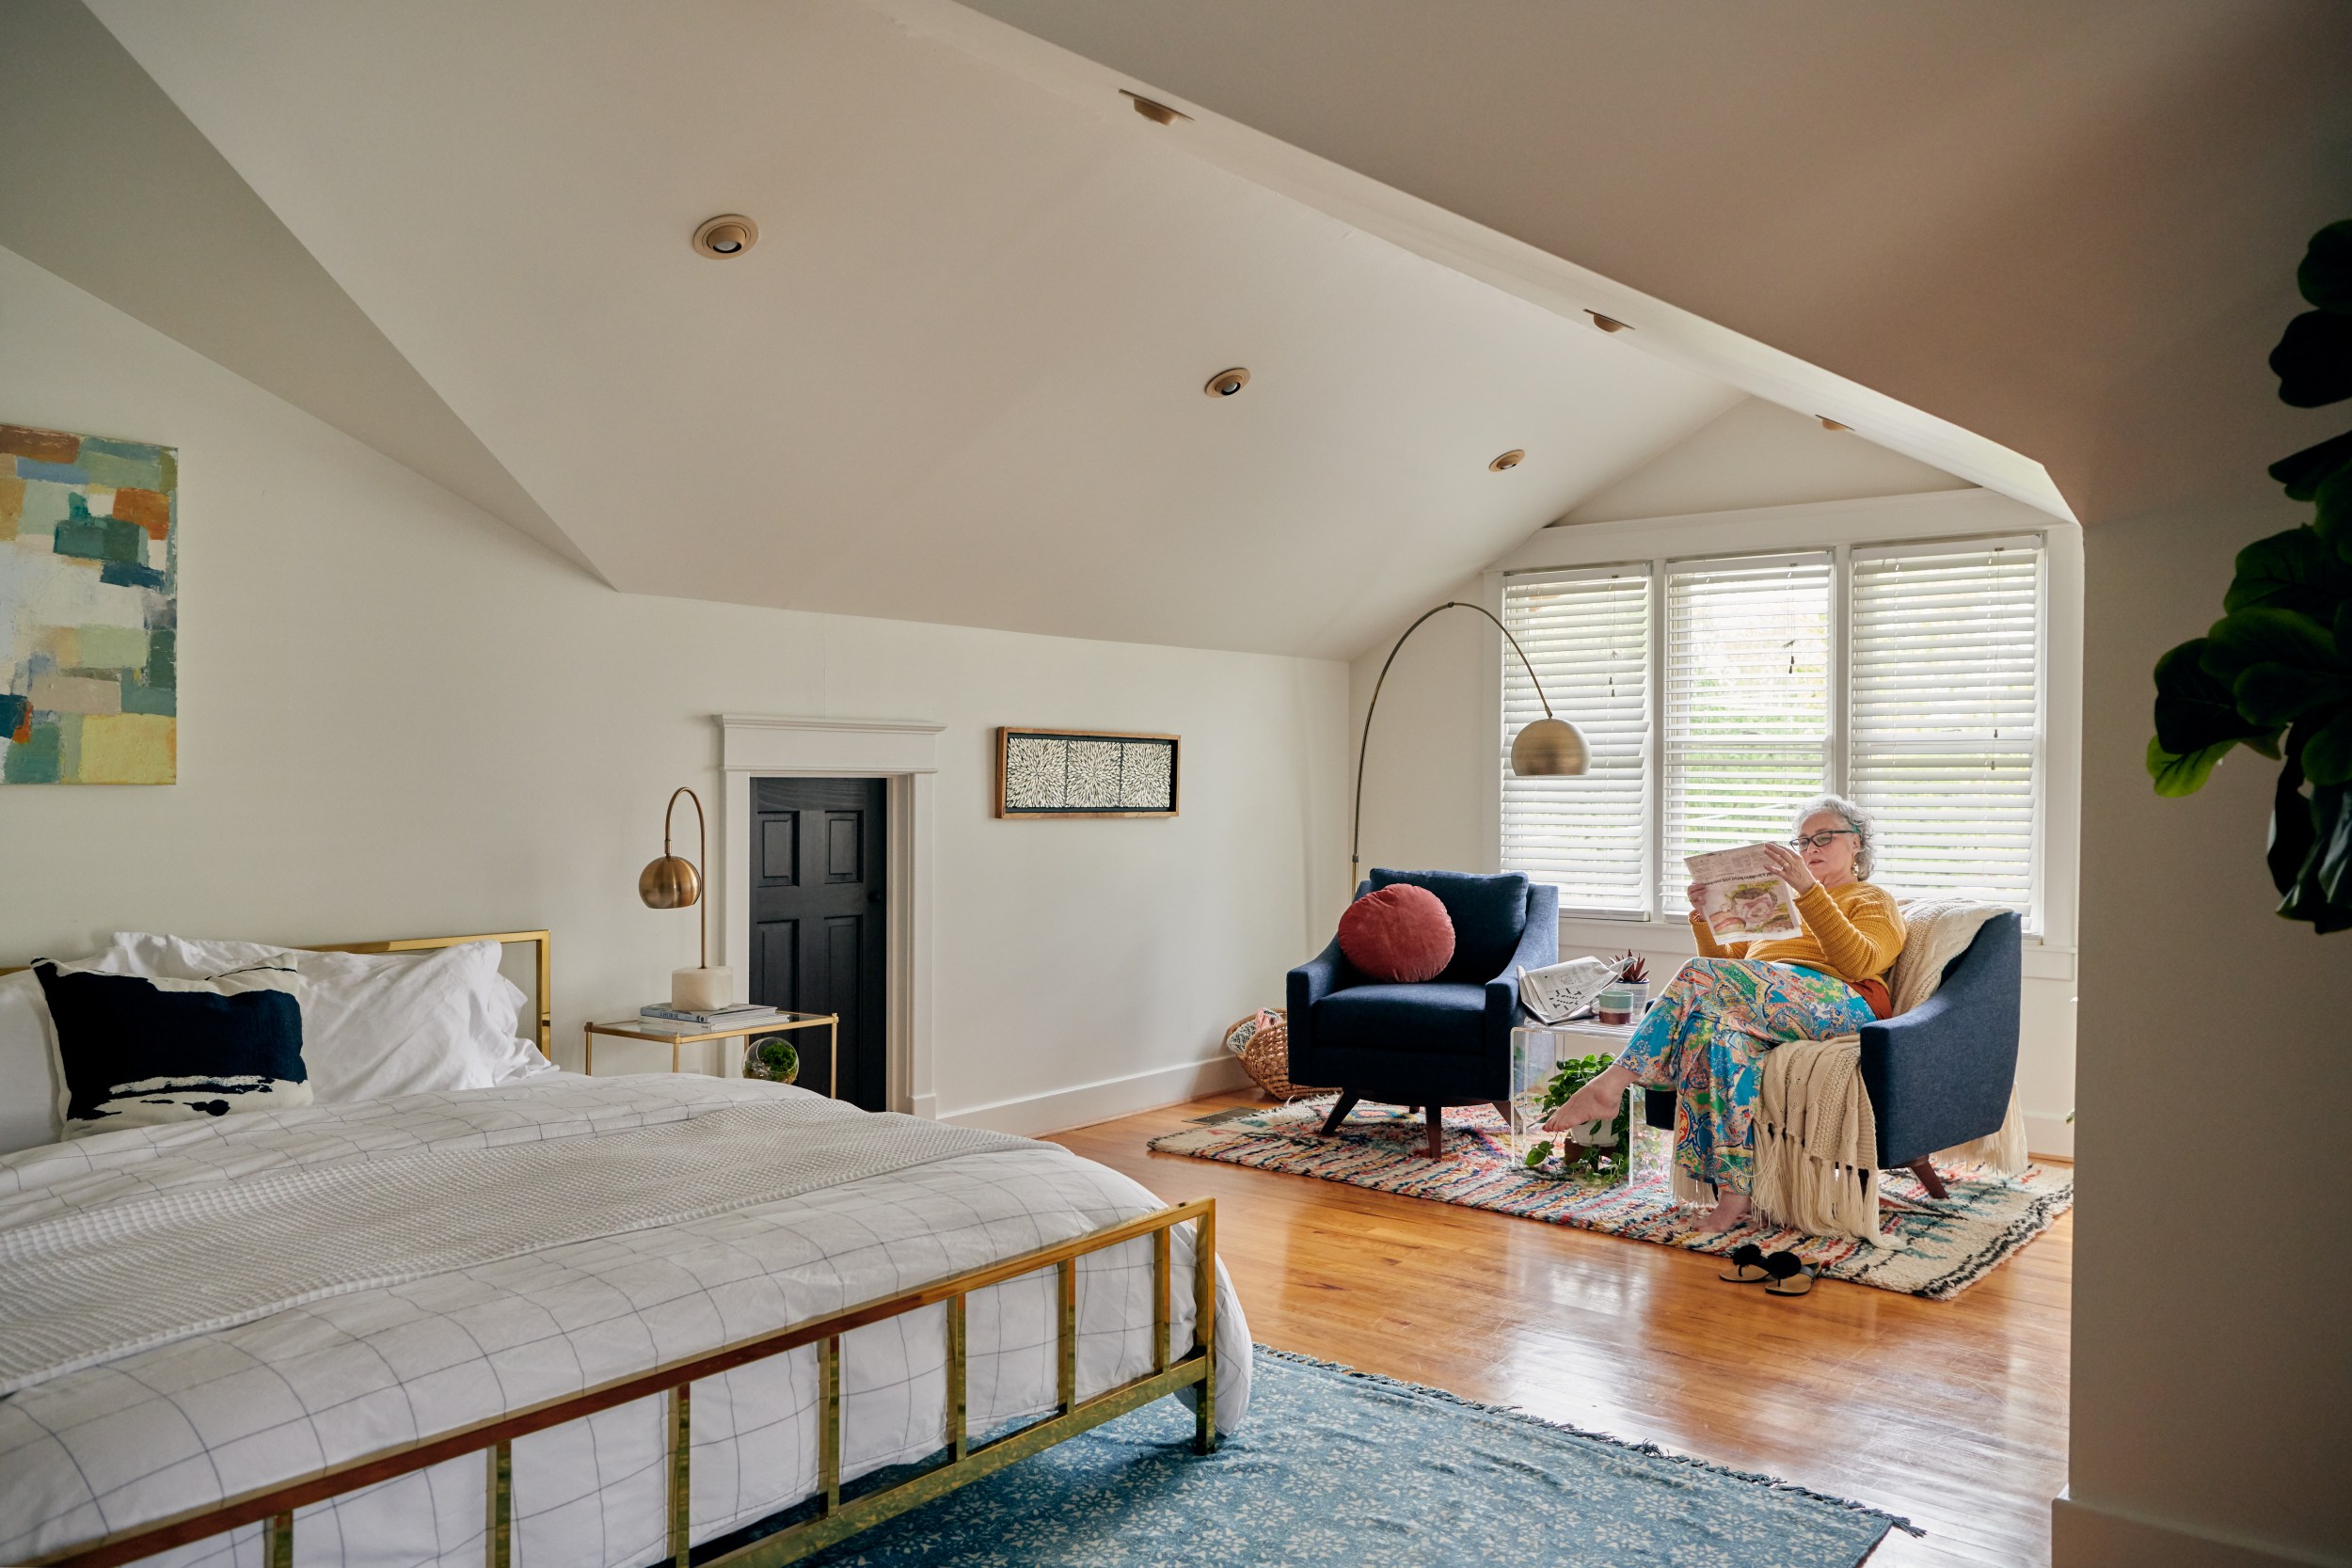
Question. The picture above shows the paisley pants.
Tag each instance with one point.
(1705, 1039)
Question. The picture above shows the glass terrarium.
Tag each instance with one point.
(773, 1057)
(1547, 1065)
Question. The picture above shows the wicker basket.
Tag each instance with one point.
(1263, 1042)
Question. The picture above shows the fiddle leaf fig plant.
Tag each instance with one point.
(2275, 673)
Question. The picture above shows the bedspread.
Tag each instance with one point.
(219, 1412)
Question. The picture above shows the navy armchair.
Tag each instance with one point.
(1940, 1075)
(1441, 1043)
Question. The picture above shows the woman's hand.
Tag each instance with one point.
(1791, 867)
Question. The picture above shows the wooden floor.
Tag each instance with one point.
(1952, 1414)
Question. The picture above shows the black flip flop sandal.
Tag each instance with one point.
(1789, 1275)
(1747, 1265)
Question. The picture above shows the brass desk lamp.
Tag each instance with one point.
(674, 883)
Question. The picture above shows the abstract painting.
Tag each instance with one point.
(88, 609)
(1085, 773)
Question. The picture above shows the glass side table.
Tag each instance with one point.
(1626, 1147)
(780, 1024)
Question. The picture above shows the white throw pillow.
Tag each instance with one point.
(376, 1024)
(28, 1055)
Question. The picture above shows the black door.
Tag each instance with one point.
(818, 915)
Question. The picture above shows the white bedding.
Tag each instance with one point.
(220, 1412)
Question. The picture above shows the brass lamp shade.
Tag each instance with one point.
(1549, 747)
(669, 883)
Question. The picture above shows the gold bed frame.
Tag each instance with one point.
(958, 1463)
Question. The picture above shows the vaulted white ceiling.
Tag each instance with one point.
(960, 377)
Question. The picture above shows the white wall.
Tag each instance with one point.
(2211, 1375)
(401, 718)
(1432, 780)
(1758, 454)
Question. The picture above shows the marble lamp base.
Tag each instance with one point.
(701, 989)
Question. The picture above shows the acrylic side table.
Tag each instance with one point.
(780, 1024)
(1537, 1052)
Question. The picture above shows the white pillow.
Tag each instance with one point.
(375, 1024)
(28, 1080)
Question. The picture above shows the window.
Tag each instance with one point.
(1946, 715)
(1588, 633)
(1905, 676)
(1747, 703)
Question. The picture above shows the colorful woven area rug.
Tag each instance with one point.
(1946, 1246)
(1336, 1470)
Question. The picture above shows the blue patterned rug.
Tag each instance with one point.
(1336, 1470)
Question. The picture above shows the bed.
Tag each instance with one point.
(578, 1321)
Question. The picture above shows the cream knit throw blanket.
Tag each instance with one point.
(1816, 1138)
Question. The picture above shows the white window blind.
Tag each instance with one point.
(1747, 703)
(1587, 634)
(1946, 735)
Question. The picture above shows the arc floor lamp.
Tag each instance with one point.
(1549, 747)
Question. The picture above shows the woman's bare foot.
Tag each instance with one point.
(1595, 1102)
(1729, 1213)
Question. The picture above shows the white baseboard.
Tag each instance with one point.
(924, 1106)
(1100, 1101)
(2086, 1536)
(2053, 1136)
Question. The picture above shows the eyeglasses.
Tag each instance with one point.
(1821, 840)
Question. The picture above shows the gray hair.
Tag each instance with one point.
(1865, 826)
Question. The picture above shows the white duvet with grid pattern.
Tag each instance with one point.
(217, 1412)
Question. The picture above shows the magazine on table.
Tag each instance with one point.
(1741, 896)
(739, 1013)
(1558, 993)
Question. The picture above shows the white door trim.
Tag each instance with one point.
(904, 753)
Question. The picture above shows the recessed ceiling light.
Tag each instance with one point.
(1154, 110)
(728, 234)
(1608, 323)
(1224, 383)
(1509, 460)
(1828, 423)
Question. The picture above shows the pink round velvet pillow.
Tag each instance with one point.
(1399, 934)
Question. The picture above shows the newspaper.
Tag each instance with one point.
(1742, 897)
(1557, 992)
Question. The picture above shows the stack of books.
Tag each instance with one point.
(660, 1018)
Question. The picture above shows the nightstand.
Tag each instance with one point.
(634, 1029)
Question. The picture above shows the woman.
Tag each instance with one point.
(1707, 1034)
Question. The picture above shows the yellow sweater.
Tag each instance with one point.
(1853, 932)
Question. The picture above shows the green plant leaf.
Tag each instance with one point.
(2176, 774)
(2328, 754)
(2322, 893)
(2331, 820)
(2303, 472)
(2292, 832)
(2296, 570)
(2196, 710)
(2272, 693)
(2249, 636)
(2326, 275)
(2314, 359)
(1538, 1154)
